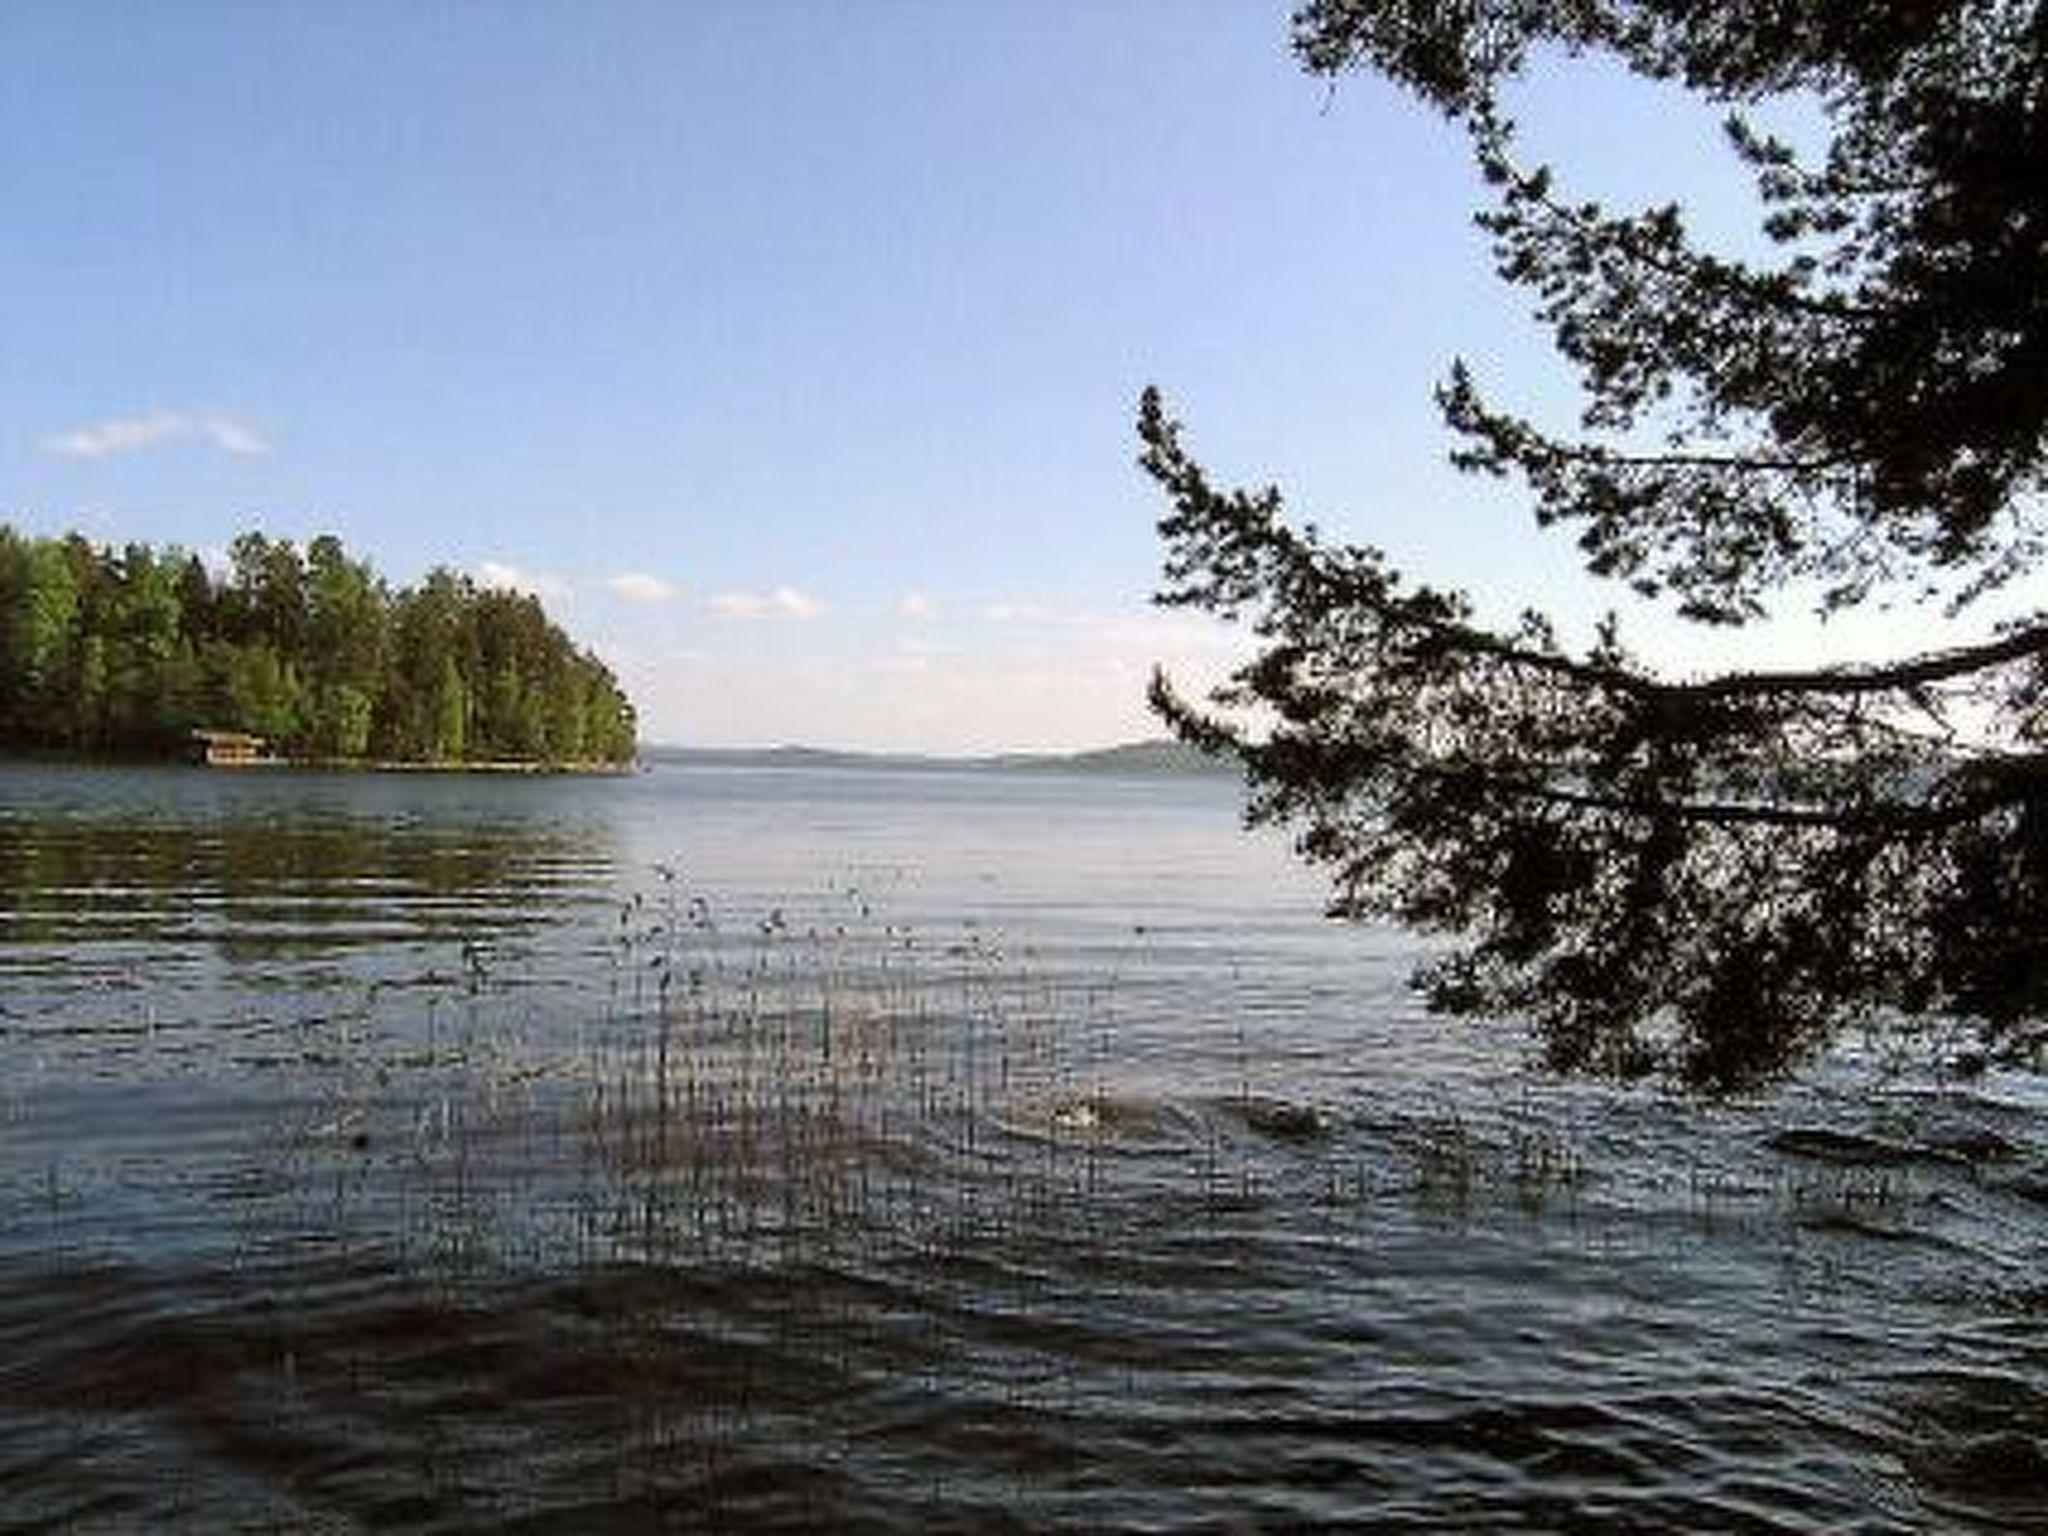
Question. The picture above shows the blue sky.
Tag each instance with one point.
(789, 351)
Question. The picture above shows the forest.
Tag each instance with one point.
(128, 653)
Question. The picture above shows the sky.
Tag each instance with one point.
(788, 351)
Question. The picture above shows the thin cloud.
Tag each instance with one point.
(232, 436)
(639, 587)
(798, 605)
(133, 434)
(783, 602)
(128, 435)
(915, 605)
(510, 578)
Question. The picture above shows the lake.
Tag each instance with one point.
(738, 1148)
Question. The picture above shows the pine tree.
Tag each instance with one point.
(1706, 877)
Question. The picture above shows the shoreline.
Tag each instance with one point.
(499, 766)
(488, 765)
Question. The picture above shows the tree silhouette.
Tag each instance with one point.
(1705, 877)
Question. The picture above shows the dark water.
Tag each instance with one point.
(733, 1149)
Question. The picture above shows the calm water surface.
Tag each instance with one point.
(745, 1149)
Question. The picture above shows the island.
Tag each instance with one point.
(293, 656)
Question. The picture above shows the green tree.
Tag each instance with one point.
(146, 627)
(565, 718)
(1704, 877)
(345, 646)
(426, 632)
(345, 714)
(14, 557)
(500, 713)
(197, 616)
(89, 694)
(39, 630)
(266, 597)
(183, 702)
(450, 714)
(264, 693)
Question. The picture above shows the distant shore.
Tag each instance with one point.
(1146, 759)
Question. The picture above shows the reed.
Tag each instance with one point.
(808, 1085)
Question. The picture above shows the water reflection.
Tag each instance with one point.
(152, 919)
(328, 883)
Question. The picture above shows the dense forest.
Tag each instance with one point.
(130, 653)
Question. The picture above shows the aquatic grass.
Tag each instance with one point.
(1868, 1200)
(805, 1086)
(766, 1089)
(1447, 1160)
(813, 1081)
(1523, 1152)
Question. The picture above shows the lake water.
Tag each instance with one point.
(743, 1148)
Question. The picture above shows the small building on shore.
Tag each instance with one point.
(230, 749)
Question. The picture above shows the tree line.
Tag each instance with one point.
(129, 652)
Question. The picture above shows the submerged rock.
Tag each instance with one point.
(1280, 1118)
(1969, 1145)
(1832, 1146)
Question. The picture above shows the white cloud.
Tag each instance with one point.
(232, 436)
(784, 602)
(639, 587)
(132, 434)
(510, 578)
(110, 437)
(798, 605)
(914, 605)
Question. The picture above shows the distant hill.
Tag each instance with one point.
(1157, 757)
(793, 757)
